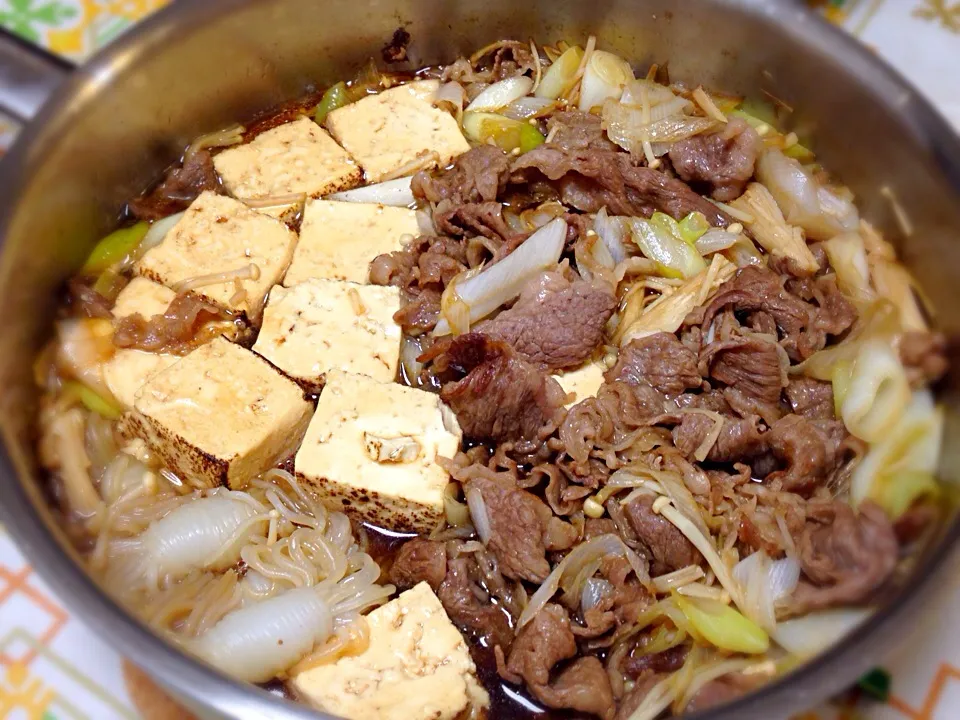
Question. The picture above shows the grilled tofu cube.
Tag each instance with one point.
(396, 128)
(322, 325)
(417, 667)
(338, 240)
(371, 451)
(297, 157)
(128, 370)
(582, 383)
(221, 415)
(220, 235)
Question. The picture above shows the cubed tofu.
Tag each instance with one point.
(127, 371)
(582, 383)
(220, 235)
(417, 667)
(338, 240)
(221, 415)
(396, 128)
(371, 451)
(297, 157)
(322, 325)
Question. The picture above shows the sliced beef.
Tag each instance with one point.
(592, 179)
(811, 398)
(750, 364)
(748, 406)
(502, 397)
(469, 219)
(556, 323)
(659, 360)
(578, 130)
(668, 548)
(924, 355)
(83, 301)
(419, 560)
(809, 449)
(485, 621)
(177, 330)
(845, 556)
(583, 686)
(522, 527)
(541, 643)
(419, 314)
(179, 187)
(476, 176)
(756, 288)
(740, 439)
(661, 662)
(720, 162)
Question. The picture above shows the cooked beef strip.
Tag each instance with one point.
(721, 162)
(810, 449)
(661, 361)
(589, 180)
(540, 644)
(578, 130)
(667, 548)
(750, 364)
(487, 622)
(83, 301)
(661, 662)
(522, 527)
(583, 686)
(740, 439)
(180, 187)
(748, 406)
(845, 555)
(811, 398)
(477, 176)
(419, 560)
(176, 330)
(469, 219)
(924, 355)
(502, 397)
(556, 323)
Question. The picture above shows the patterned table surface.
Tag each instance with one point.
(53, 668)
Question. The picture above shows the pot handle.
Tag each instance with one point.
(28, 76)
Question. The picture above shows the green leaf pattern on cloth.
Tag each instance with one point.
(28, 17)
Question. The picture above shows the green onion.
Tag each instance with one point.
(897, 492)
(692, 227)
(723, 626)
(561, 75)
(114, 248)
(92, 400)
(509, 135)
(840, 377)
(876, 684)
(335, 97)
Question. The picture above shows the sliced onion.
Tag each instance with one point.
(848, 258)
(594, 590)
(478, 513)
(593, 549)
(656, 93)
(878, 392)
(392, 192)
(452, 94)
(501, 94)
(157, 232)
(613, 232)
(527, 107)
(819, 211)
(715, 240)
(501, 282)
(628, 128)
(604, 78)
(765, 582)
(809, 635)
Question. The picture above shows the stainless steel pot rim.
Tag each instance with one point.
(207, 687)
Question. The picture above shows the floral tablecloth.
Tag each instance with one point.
(53, 668)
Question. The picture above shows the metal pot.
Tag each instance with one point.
(112, 126)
